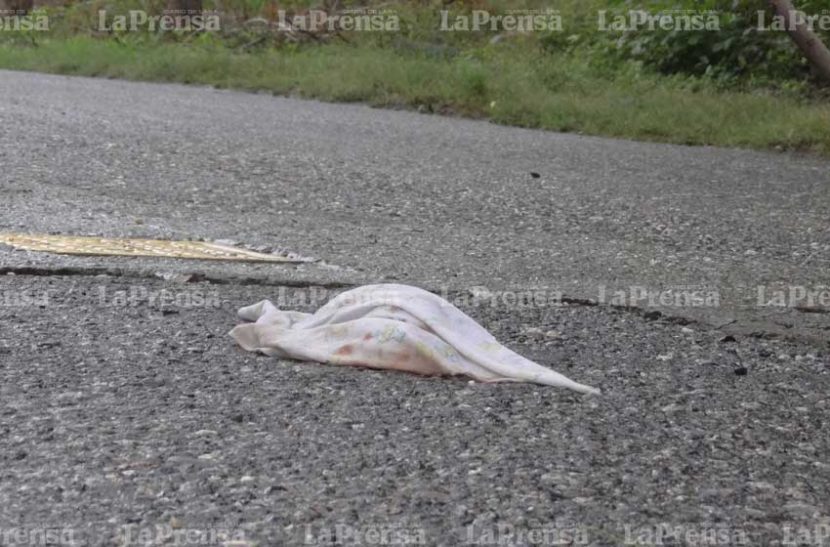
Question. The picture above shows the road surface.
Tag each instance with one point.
(128, 415)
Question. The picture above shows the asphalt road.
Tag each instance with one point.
(128, 416)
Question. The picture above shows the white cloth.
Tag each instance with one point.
(391, 327)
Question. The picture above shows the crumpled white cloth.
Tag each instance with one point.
(391, 326)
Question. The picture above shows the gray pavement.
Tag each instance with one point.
(127, 414)
(420, 199)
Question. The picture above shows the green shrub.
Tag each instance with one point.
(734, 54)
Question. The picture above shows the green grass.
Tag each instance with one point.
(507, 84)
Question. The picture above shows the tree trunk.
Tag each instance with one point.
(809, 44)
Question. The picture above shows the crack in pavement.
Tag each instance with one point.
(192, 277)
(767, 330)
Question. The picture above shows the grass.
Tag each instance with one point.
(507, 84)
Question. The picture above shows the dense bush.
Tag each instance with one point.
(737, 52)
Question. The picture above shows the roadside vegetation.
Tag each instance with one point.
(735, 86)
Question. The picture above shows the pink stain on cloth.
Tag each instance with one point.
(394, 327)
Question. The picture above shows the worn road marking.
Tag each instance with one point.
(104, 246)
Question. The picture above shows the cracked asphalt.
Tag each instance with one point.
(127, 416)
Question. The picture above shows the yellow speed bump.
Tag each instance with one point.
(104, 246)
